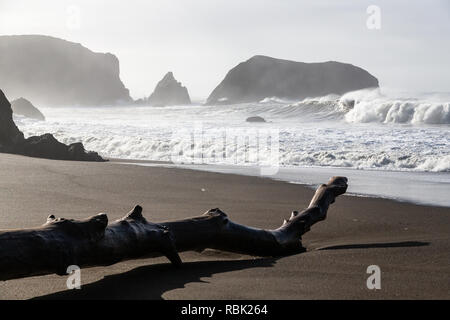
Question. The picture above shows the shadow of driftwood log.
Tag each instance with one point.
(151, 282)
(378, 245)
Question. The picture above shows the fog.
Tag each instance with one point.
(201, 40)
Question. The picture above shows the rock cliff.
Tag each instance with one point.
(52, 71)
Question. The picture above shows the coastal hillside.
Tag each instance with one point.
(261, 77)
(52, 71)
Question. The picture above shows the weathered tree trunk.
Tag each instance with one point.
(60, 243)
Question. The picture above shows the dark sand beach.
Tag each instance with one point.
(410, 243)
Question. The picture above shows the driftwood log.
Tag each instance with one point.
(61, 242)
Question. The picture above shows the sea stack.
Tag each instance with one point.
(261, 77)
(25, 108)
(45, 146)
(169, 92)
(52, 71)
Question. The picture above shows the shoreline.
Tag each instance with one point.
(410, 243)
(313, 178)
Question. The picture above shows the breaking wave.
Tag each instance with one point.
(364, 106)
(387, 110)
(360, 130)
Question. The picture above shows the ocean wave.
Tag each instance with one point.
(275, 100)
(309, 109)
(373, 147)
(363, 106)
(331, 131)
(373, 107)
(412, 112)
(181, 150)
(375, 160)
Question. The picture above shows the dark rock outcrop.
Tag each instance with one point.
(53, 71)
(10, 135)
(255, 119)
(261, 77)
(169, 92)
(46, 146)
(25, 108)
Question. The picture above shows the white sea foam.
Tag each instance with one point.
(274, 100)
(373, 107)
(360, 130)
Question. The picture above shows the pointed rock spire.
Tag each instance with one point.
(169, 92)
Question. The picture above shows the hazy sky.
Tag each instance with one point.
(200, 40)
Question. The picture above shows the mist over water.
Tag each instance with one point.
(360, 130)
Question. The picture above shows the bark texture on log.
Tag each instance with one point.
(61, 242)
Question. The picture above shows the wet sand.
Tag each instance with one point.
(410, 243)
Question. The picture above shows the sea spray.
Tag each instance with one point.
(360, 130)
